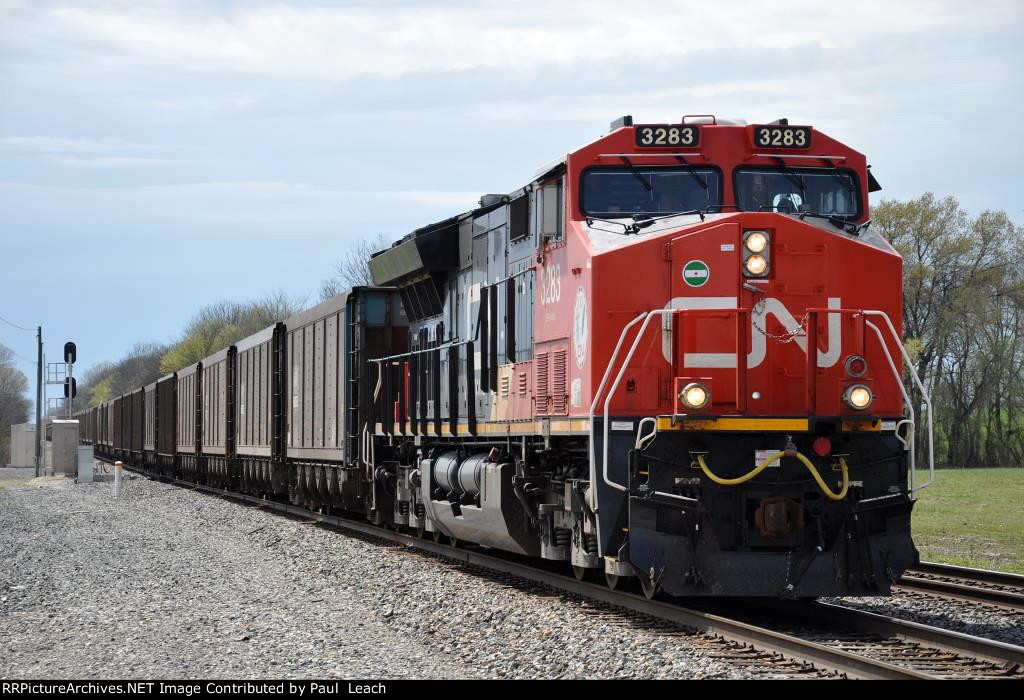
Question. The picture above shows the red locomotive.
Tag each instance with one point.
(674, 356)
(686, 340)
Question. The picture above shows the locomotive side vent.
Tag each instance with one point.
(541, 393)
(559, 394)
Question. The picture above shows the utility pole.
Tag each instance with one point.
(39, 400)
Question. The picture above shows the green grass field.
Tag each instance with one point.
(973, 517)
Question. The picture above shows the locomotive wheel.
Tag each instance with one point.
(436, 536)
(421, 532)
(612, 580)
(648, 585)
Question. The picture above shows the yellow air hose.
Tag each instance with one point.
(771, 458)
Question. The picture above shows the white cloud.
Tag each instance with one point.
(390, 40)
(108, 161)
(48, 144)
(88, 153)
(239, 202)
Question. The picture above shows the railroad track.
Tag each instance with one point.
(784, 638)
(962, 584)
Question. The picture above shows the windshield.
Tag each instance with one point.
(795, 190)
(650, 191)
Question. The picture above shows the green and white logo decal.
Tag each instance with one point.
(696, 273)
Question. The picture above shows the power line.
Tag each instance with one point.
(15, 325)
(23, 358)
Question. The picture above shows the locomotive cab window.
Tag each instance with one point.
(798, 190)
(549, 212)
(652, 191)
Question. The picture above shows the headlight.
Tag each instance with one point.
(858, 397)
(756, 265)
(756, 241)
(695, 395)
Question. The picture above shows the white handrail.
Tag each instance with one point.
(924, 395)
(615, 385)
(906, 400)
(593, 407)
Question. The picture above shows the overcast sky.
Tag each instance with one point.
(156, 157)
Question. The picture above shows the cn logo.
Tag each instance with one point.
(758, 342)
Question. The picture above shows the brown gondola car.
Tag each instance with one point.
(135, 420)
(117, 427)
(165, 426)
(329, 395)
(189, 422)
(216, 423)
(259, 390)
(107, 440)
(149, 426)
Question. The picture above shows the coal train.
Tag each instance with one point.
(673, 358)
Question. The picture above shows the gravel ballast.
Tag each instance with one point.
(169, 583)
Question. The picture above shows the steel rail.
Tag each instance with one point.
(927, 635)
(1001, 578)
(974, 585)
(818, 655)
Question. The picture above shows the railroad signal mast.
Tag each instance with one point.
(62, 373)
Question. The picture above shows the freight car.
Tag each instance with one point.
(673, 357)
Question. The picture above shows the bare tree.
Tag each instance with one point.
(353, 270)
(14, 404)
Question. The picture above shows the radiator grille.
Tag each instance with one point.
(541, 393)
(559, 395)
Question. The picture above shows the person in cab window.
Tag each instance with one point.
(786, 205)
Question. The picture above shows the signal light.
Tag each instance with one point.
(756, 241)
(756, 265)
(756, 253)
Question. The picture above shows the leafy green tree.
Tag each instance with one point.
(219, 325)
(962, 313)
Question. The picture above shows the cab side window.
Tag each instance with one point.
(549, 209)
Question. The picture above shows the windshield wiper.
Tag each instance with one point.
(636, 173)
(700, 181)
(641, 221)
(647, 220)
(793, 176)
(844, 181)
(591, 219)
(838, 221)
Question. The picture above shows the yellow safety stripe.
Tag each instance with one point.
(862, 426)
(580, 426)
(561, 426)
(726, 423)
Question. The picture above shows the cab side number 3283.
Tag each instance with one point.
(551, 284)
